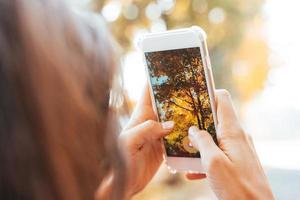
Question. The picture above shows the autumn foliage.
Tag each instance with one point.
(179, 86)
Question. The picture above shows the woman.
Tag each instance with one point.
(58, 135)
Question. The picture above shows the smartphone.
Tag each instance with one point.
(182, 90)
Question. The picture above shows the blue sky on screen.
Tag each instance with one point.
(159, 80)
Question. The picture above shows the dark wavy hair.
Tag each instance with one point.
(57, 125)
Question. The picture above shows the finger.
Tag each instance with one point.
(143, 110)
(252, 146)
(195, 176)
(228, 124)
(250, 140)
(203, 141)
(145, 99)
(225, 111)
(147, 131)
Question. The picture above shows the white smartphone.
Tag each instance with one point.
(182, 90)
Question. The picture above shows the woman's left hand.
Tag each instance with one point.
(141, 140)
(141, 143)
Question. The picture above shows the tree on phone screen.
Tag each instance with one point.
(180, 90)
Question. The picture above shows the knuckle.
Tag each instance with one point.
(235, 133)
(239, 132)
(151, 123)
(224, 93)
(215, 162)
(249, 137)
(204, 136)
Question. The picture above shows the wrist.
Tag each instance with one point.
(265, 193)
(257, 191)
(105, 190)
(132, 189)
(128, 195)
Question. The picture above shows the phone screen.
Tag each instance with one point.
(180, 91)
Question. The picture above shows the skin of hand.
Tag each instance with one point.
(233, 169)
(141, 142)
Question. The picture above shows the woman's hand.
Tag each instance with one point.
(233, 169)
(141, 140)
(141, 143)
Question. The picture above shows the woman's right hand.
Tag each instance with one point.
(233, 169)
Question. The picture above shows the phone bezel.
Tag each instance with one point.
(179, 39)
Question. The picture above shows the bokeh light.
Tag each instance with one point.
(130, 11)
(216, 15)
(254, 47)
(111, 11)
(153, 11)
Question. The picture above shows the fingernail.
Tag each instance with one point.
(167, 125)
(193, 131)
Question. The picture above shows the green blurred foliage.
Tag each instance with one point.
(223, 37)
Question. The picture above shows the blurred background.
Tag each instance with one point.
(254, 47)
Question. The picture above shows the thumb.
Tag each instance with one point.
(203, 141)
(147, 131)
